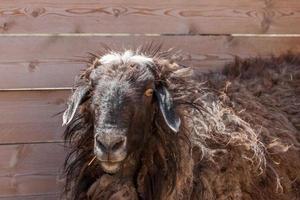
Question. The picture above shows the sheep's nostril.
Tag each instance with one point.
(117, 145)
(101, 146)
(110, 144)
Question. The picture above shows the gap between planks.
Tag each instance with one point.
(138, 34)
(30, 195)
(37, 89)
(34, 142)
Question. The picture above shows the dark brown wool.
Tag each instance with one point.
(239, 136)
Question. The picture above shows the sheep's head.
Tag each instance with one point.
(122, 94)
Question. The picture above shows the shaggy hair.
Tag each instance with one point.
(239, 136)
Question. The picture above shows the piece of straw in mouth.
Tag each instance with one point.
(92, 160)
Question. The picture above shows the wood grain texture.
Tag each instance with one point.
(30, 157)
(28, 116)
(45, 196)
(134, 16)
(37, 62)
(31, 169)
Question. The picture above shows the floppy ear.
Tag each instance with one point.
(73, 103)
(166, 107)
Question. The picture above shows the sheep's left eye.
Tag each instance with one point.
(149, 92)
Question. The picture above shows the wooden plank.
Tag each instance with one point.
(27, 116)
(37, 62)
(133, 16)
(23, 160)
(31, 169)
(36, 74)
(32, 197)
(30, 184)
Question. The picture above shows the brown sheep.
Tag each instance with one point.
(141, 126)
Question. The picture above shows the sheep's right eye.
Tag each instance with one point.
(149, 92)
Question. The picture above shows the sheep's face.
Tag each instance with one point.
(124, 99)
(122, 106)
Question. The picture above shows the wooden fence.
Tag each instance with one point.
(42, 44)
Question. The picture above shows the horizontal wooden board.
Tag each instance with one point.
(134, 16)
(29, 184)
(28, 116)
(38, 62)
(31, 169)
(46, 196)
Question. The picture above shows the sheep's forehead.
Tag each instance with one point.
(112, 77)
(110, 93)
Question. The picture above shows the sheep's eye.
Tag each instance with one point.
(149, 92)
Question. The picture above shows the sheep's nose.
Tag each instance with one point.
(111, 144)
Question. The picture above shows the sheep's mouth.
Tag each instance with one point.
(110, 167)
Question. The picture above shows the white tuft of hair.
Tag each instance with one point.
(114, 58)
